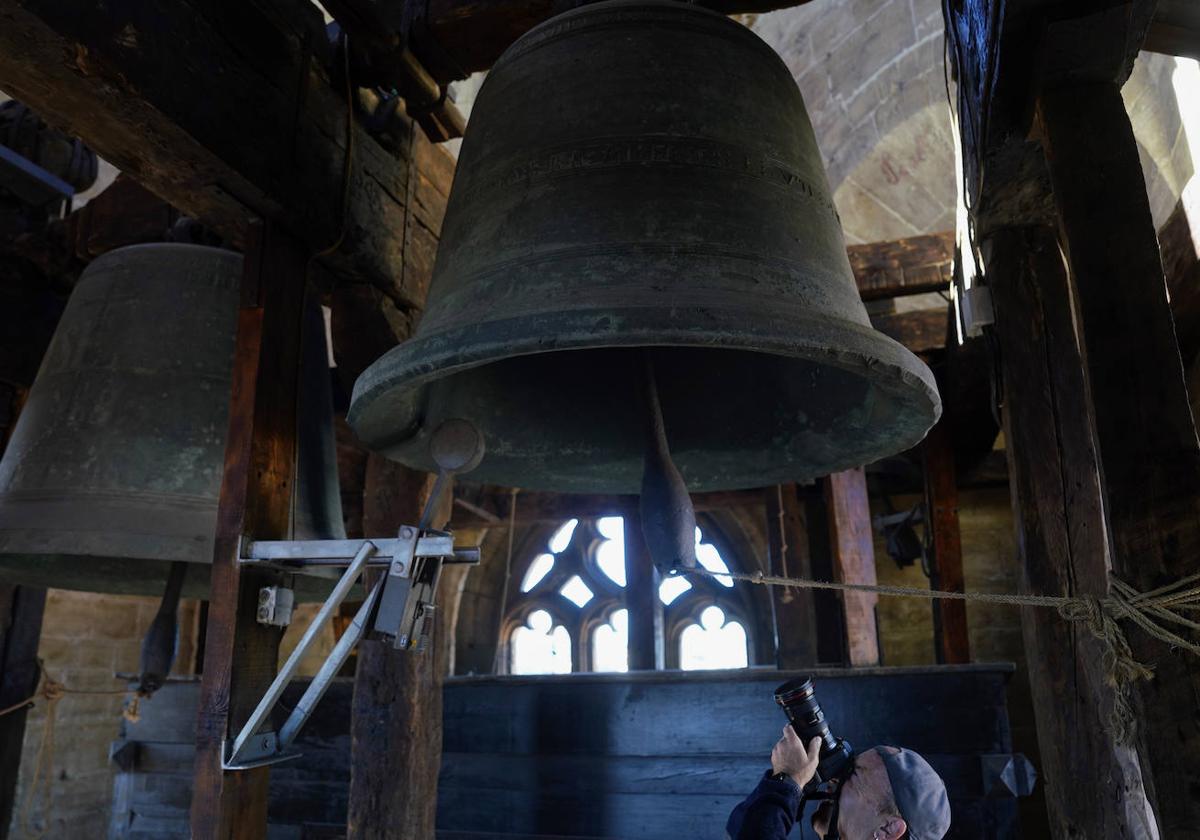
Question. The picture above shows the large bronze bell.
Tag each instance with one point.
(644, 175)
(115, 463)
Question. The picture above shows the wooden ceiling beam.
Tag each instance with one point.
(226, 111)
(1175, 29)
(455, 38)
(901, 267)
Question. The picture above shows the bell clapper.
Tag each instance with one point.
(668, 518)
(158, 647)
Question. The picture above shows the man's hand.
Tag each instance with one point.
(790, 756)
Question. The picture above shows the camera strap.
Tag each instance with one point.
(835, 796)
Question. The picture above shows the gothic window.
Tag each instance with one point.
(570, 611)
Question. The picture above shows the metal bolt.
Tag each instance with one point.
(406, 532)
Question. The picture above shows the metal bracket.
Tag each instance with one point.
(275, 605)
(400, 605)
(260, 751)
(252, 748)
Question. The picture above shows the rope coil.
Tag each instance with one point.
(1154, 612)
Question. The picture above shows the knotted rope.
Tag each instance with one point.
(1155, 612)
(52, 691)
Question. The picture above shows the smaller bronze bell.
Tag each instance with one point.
(114, 467)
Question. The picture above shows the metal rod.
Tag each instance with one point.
(429, 545)
(271, 697)
(468, 556)
(434, 497)
(333, 663)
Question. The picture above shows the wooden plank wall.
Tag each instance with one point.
(651, 755)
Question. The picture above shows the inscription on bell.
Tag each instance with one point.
(639, 151)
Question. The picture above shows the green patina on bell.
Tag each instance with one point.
(645, 175)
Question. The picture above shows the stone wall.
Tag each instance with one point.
(87, 638)
(871, 73)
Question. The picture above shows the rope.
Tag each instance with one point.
(52, 691)
(1154, 611)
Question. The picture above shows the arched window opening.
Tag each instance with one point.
(610, 554)
(571, 612)
(538, 569)
(540, 647)
(713, 643)
(610, 644)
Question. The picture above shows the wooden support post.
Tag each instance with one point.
(794, 609)
(21, 609)
(1057, 511)
(854, 561)
(950, 639)
(240, 655)
(396, 725)
(646, 651)
(1146, 438)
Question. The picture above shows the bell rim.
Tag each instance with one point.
(422, 360)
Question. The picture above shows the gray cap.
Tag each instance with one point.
(920, 794)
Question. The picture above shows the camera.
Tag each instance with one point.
(798, 702)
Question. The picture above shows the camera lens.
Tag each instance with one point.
(799, 703)
(802, 709)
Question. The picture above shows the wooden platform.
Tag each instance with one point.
(644, 755)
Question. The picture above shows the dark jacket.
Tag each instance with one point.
(768, 813)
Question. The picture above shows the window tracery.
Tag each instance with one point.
(571, 614)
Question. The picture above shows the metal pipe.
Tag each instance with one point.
(333, 664)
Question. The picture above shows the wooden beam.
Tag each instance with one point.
(241, 655)
(921, 331)
(236, 71)
(396, 722)
(646, 643)
(1181, 265)
(1149, 452)
(794, 610)
(951, 642)
(455, 38)
(126, 213)
(854, 561)
(1175, 29)
(1005, 175)
(21, 609)
(1057, 508)
(903, 266)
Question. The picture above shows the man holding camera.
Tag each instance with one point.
(887, 794)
